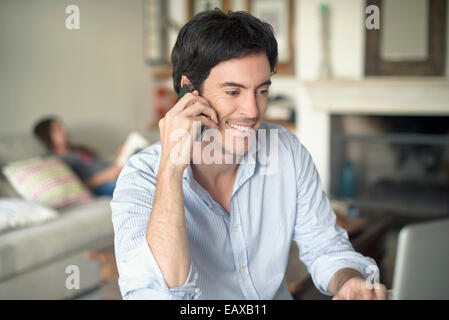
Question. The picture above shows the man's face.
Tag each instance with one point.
(237, 89)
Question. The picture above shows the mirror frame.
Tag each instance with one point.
(435, 63)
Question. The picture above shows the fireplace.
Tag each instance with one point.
(391, 164)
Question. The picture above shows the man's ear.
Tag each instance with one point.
(186, 82)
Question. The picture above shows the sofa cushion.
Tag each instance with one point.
(48, 181)
(19, 147)
(77, 228)
(6, 189)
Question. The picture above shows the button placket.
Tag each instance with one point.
(240, 256)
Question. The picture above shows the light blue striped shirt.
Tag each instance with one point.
(241, 255)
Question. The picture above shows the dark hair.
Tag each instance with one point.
(42, 130)
(212, 37)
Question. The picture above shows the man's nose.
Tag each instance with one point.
(249, 107)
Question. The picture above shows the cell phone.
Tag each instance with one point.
(185, 89)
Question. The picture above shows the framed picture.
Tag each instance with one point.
(155, 33)
(279, 14)
(409, 42)
(196, 6)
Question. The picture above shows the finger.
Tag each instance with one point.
(368, 295)
(202, 100)
(199, 108)
(381, 293)
(187, 100)
(206, 122)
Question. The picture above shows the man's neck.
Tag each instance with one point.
(217, 179)
(212, 174)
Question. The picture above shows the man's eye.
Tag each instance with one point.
(263, 92)
(232, 92)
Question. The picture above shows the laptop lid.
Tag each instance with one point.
(422, 261)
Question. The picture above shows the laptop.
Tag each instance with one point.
(422, 261)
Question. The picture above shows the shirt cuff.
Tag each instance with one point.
(189, 290)
(366, 268)
(141, 277)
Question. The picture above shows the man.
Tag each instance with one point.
(189, 229)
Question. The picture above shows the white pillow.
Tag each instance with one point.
(16, 213)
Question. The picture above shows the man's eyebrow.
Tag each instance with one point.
(266, 83)
(239, 85)
(232, 84)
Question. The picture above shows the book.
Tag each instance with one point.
(133, 143)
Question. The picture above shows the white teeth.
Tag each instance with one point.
(241, 128)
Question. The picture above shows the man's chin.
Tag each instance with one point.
(233, 145)
(237, 150)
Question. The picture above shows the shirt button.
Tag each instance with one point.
(235, 228)
(197, 290)
(242, 270)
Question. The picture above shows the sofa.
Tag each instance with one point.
(34, 260)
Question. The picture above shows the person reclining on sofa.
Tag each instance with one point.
(99, 176)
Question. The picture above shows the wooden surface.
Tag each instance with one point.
(108, 272)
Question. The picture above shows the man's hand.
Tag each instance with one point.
(188, 109)
(350, 285)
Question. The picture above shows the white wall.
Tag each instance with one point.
(94, 76)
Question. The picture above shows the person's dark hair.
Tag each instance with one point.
(212, 37)
(42, 131)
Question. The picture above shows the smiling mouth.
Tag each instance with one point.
(241, 126)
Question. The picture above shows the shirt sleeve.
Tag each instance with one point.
(324, 247)
(139, 274)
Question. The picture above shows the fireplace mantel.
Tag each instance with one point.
(381, 96)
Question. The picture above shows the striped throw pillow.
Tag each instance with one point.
(47, 181)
